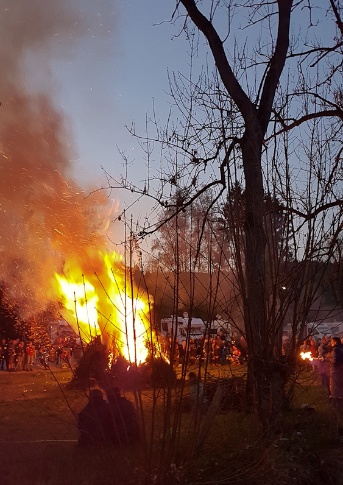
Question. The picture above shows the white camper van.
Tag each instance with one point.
(181, 327)
(194, 328)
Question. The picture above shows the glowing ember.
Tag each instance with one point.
(106, 303)
(306, 355)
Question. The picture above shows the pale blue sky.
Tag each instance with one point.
(113, 78)
(107, 69)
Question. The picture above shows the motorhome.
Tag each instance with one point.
(317, 329)
(181, 327)
(194, 328)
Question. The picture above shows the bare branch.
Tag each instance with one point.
(229, 79)
(303, 119)
(339, 21)
(276, 64)
(316, 212)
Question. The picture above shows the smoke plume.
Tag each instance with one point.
(44, 215)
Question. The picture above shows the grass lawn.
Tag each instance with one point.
(38, 436)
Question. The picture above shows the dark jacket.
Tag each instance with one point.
(336, 371)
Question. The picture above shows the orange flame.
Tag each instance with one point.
(106, 303)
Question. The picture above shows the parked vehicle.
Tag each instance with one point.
(193, 328)
(317, 329)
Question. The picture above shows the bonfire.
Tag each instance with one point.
(105, 303)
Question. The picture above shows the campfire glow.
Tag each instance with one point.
(306, 355)
(105, 302)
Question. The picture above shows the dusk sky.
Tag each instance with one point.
(104, 65)
(112, 73)
(113, 76)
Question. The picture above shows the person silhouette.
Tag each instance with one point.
(124, 425)
(93, 420)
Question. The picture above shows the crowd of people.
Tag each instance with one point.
(108, 418)
(326, 355)
(328, 362)
(20, 355)
(217, 350)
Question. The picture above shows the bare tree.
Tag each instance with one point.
(253, 105)
(266, 113)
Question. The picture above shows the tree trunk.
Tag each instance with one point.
(258, 383)
(261, 358)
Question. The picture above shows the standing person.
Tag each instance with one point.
(93, 420)
(182, 354)
(124, 427)
(30, 355)
(192, 351)
(59, 352)
(4, 354)
(11, 356)
(43, 357)
(336, 369)
(200, 349)
(20, 353)
(313, 347)
(235, 353)
(65, 357)
(336, 381)
(225, 352)
(324, 364)
(217, 353)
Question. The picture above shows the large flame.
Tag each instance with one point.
(105, 302)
